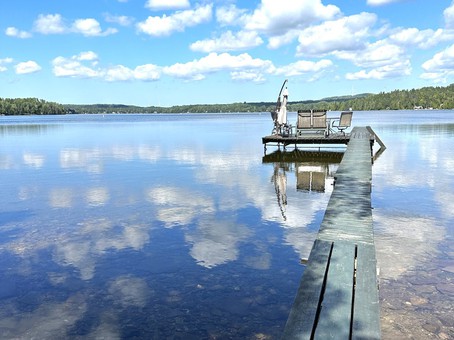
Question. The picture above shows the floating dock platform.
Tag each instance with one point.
(338, 294)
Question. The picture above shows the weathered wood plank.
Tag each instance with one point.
(366, 311)
(301, 320)
(336, 307)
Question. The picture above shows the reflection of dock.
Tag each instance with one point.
(314, 171)
(338, 293)
(297, 155)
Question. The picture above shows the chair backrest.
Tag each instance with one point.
(346, 119)
(304, 120)
(319, 119)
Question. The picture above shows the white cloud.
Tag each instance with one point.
(303, 67)
(14, 32)
(230, 15)
(284, 39)
(86, 65)
(121, 20)
(167, 4)
(347, 33)
(380, 2)
(147, 72)
(255, 77)
(166, 25)
(378, 54)
(228, 41)
(55, 24)
(73, 67)
(397, 69)
(119, 73)
(195, 70)
(421, 38)
(277, 17)
(50, 24)
(89, 55)
(440, 67)
(91, 28)
(449, 16)
(27, 67)
(5, 61)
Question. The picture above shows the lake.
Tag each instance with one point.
(179, 227)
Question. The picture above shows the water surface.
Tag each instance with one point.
(177, 226)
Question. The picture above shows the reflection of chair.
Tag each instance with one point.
(310, 181)
(344, 121)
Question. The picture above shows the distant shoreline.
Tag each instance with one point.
(424, 98)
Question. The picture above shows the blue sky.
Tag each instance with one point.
(173, 52)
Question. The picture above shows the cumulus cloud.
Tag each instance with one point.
(256, 77)
(177, 22)
(277, 17)
(347, 33)
(228, 41)
(3, 62)
(121, 20)
(55, 24)
(230, 15)
(167, 4)
(86, 65)
(27, 67)
(449, 16)
(440, 66)
(91, 28)
(304, 67)
(415, 37)
(50, 24)
(378, 54)
(73, 67)
(14, 32)
(397, 69)
(380, 2)
(196, 70)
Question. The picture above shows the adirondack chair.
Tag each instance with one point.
(343, 122)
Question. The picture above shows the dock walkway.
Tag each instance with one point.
(338, 294)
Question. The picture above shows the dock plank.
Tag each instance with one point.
(302, 317)
(336, 306)
(365, 325)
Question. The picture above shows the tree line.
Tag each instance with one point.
(30, 106)
(427, 97)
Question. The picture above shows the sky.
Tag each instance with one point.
(176, 52)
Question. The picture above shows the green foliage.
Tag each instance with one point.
(30, 106)
(427, 97)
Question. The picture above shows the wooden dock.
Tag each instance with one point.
(307, 139)
(338, 294)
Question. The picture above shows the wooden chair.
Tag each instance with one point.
(343, 122)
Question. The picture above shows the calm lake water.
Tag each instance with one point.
(178, 226)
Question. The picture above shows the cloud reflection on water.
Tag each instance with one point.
(34, 160)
